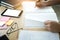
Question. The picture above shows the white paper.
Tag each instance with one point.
(33, 24)
(42, 17)
(29, 6)
(35, 17)
(2, 23)
(37, 35)
(11, 12)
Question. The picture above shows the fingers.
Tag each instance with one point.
(38, 0)
(48, 25)
(47, 22)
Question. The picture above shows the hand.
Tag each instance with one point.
(52, 26)
(41, 3)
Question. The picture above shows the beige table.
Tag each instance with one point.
(20, 21)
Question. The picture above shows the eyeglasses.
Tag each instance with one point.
(14, 27)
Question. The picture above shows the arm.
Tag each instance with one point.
(52, 26)
(49, 3)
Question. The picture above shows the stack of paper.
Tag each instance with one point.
(35, 17)
(3, 27)
(3, 21)
(37, 35)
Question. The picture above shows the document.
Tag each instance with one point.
(2, 23)
(38, 19)
(33, 24)
(37, 35)
(35, 17)
(4, 27)
(30, 6)
(41, 16)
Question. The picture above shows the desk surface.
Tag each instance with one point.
(18, 20)
(20, 23)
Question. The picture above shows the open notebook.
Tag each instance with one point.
(37, 35)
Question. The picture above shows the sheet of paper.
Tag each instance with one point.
(3, 27)
(33, 24)
(37, 35)
(42, 17)
(4, 19)
(29, 6)
(10, 12)
(2, 23)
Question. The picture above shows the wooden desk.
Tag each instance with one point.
(14, 36)
(19, 20)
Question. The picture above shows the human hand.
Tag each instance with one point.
(52, 26)
(41, 3)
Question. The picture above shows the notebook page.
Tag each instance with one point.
(29, 6)
(37, 35)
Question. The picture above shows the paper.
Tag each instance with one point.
(33, 20)
(11, 12)
(35, 17)
(42, 17)
(33, 24)
(2, 23)
(30, 6)
(37, 35)
(9, 22)
(3, 27)
(4, 19)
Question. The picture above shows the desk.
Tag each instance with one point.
(14, 35)
(19, 20)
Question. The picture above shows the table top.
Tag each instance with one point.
(14, 36)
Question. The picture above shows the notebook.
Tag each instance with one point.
(12, 13)
(37, 35)
(3, 27)
(3, 20)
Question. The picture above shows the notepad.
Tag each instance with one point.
(2, 23)
(4, 19)
(3, 27)
(37, 35)
(12, 13)
(9, 23)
